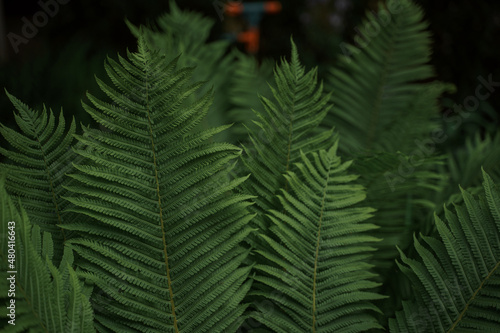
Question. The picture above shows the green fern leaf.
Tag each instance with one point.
(404, 200)
(319, 279)
(187, 33)
(47, 299)
(287, 126)
(379, 100)
(163, 247)
(248, 81)
(39, 160)
(386, 109)
(456, 280)
(464, 164)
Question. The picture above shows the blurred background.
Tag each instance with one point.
(56, 66)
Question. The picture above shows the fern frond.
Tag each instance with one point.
(456, 279)
(39, 159)
(248, 81)
(465, 163)
(163, 247)
(379, 100)
(287, 125)
(47, 298)
(187, 33)
(403, 195)
(319, 279)
(386, 110)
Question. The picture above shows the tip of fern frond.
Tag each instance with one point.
(10, 96)
(173, 6)
(294, 46)
(295, 52)
(401, 253)
(486, 176)
(134, 30)
(247, 176)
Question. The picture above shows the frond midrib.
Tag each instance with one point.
(374, 116)
(289, 146)
(160, 207)
(297, 78)
(49, 176)
(471, 299)
(318, 246)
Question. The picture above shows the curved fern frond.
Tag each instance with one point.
(319, 279)
(285, 127)
(379, 100)
(45, 298)
(163, 247)
(456, 280)
(39, 160)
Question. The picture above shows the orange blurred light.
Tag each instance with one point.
(234, 8)
(272, 7)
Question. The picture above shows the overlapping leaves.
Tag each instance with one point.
(288, 124)
(163, 244)
(456, 277)
(41, 296)
(39, 158)
(317, 277)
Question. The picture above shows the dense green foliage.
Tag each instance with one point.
(324, 213)
(48, 298)
(456, 280)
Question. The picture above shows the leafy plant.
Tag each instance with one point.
(457, 277)
(43, 156)
(149, 224)
(286, 126)
(386, 109)
(152, 227)
(317, 249)
(47, 298)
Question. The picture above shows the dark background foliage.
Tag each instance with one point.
(57, 66)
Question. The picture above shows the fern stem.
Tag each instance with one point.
(290, 134)
(52, 191)
(162, 222)
(370, 137)
(473, 297)
(317, 249)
